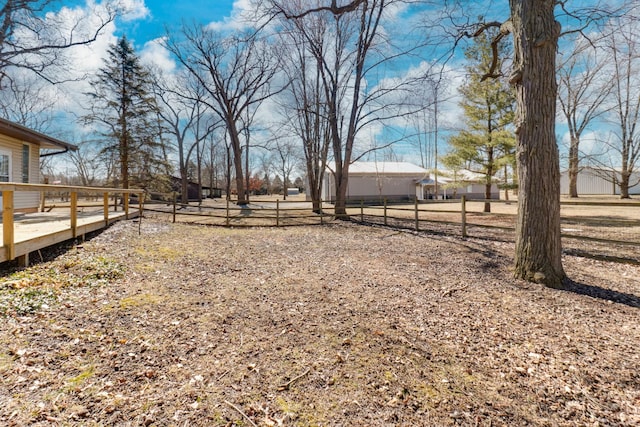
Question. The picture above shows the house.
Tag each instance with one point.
(402, 181)
(20, 152)
(598, 181)
(193, 189)
(470, 184)
(377, 181)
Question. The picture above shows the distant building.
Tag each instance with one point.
(193, 188)
(399, 181)
(377, 181)
(597, 181)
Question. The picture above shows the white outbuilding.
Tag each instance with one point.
(598, 181)
(377, 181)
(400, 181)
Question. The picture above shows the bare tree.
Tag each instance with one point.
(33, 40)
(236, 73)
(624, 48)
(304, 106)
(185, 118)
(347, 50)
(285, 157)
(583, 87)
(87, 162)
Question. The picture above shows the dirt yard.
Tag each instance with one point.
(335, 325)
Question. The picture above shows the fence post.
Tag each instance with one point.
(141, 197)
(361, 210)
(175, 196)
(126, 204)
(7, 225)
(416, 208)
(74, 213)
(277, 212)
(227, 211)
(385, 211)
(463, 211)
(105, 198)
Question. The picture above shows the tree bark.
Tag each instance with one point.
(538, 255)
(573, 167)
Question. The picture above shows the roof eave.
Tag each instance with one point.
(22, 133)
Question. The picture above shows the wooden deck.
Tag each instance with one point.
(24, 233)
(36, 231)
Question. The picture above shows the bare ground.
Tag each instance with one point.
(336, 325)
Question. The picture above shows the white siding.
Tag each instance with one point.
(23, 199)
(381, 186)
(589, 182)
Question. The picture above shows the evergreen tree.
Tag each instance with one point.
(487, 143)
(122, 103)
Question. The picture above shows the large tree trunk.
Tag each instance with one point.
(487, 196)
(538, 255)
(573, 167)
(624, 184)
(342, 182)
(236, 146)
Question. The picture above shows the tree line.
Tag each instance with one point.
(325, 74)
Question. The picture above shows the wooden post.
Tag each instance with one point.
(140, 209)
(416, 208)
(361, 210)
(175, 197)
(126, 204)
(74, 213)
(277, 212)
(8, 240)
(385, 211)
(227, 211)
(463, 211)
(105, 197)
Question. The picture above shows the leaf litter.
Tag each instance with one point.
(334, 325)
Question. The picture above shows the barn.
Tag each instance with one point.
(377, 181)
(20, 152)
(598, 181)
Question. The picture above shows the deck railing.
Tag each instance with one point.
(8, 209)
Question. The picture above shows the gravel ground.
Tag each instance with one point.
(335, 325)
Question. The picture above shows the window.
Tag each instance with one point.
(25, 163)
(5, 166)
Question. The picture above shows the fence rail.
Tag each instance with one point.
(614, 223)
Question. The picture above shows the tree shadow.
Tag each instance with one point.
(630, 300)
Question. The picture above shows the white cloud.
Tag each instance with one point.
(156, 55)
(131, 10)
(243, 16)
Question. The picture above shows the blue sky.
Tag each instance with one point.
(163, 13)
(145, 21)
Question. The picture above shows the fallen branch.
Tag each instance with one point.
(241, 413)
(288, 384)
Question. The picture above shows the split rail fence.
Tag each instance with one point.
(613, 225)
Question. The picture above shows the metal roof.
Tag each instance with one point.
(386, 168)
(17, 131)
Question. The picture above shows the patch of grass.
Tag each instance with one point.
(24, 301)
(27, 291)
(139, 300)
(160, 252)
(79, 379)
